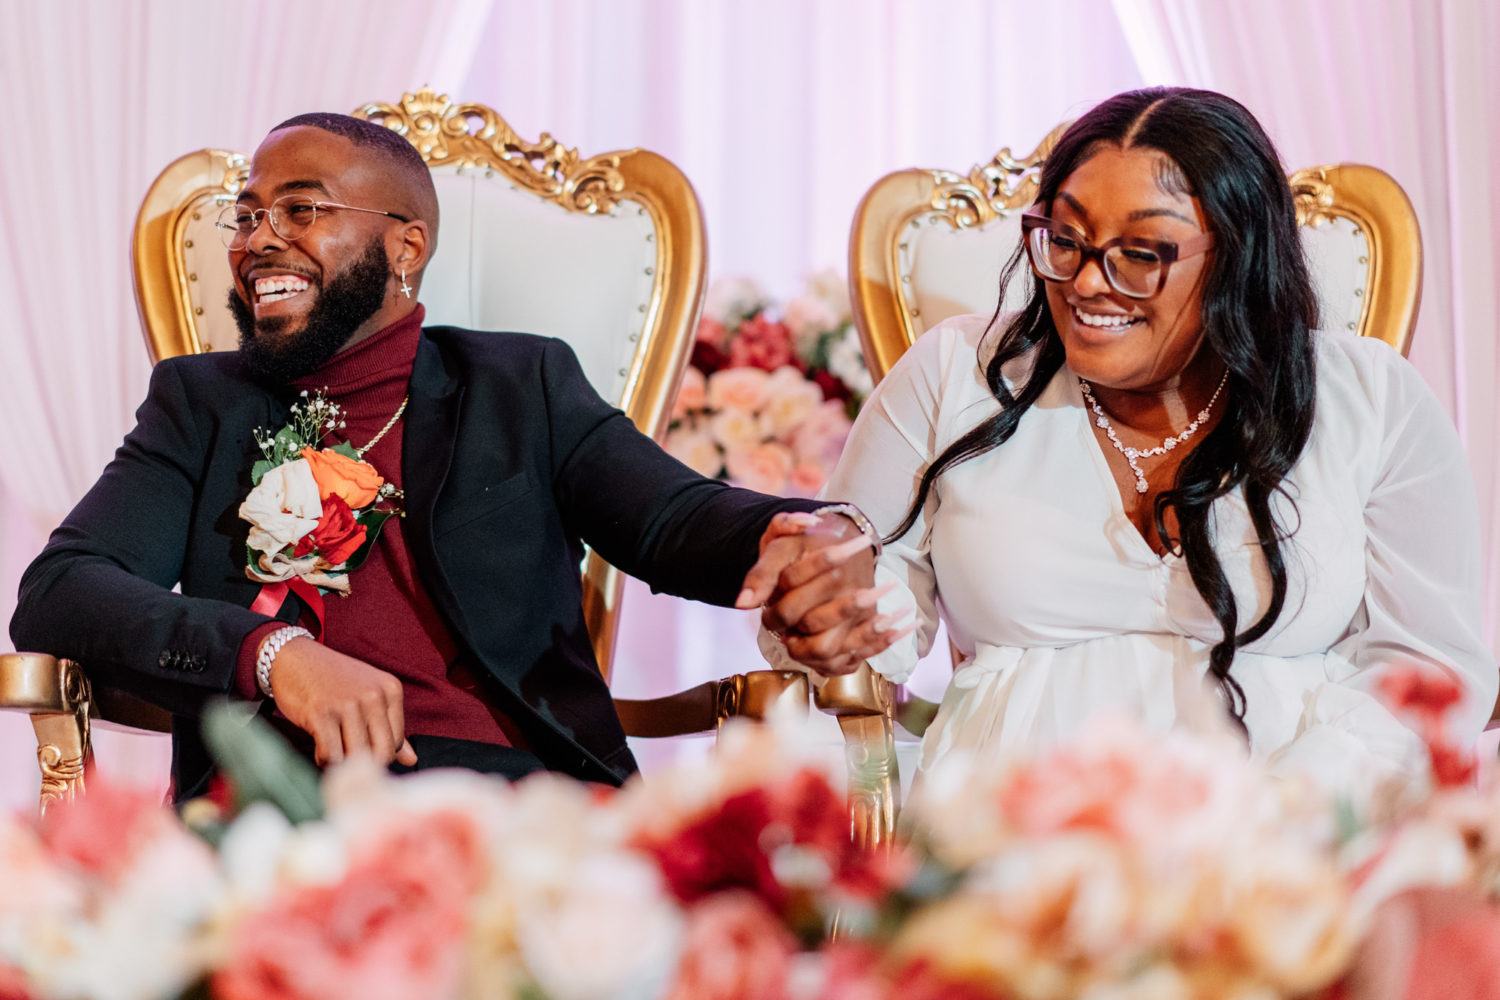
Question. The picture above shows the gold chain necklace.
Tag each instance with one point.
(360, 452)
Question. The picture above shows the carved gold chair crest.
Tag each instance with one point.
(930, 244)
(607, 252)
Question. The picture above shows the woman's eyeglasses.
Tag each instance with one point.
(1136, 268)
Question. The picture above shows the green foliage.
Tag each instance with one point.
(260, 765)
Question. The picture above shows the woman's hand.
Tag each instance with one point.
(815, 580)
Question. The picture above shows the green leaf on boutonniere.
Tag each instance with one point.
(258, 471)
(347, 450)
(373, 520)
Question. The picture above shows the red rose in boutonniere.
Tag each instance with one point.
(314, 512)
(337, 536)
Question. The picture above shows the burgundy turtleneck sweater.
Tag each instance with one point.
(387, 619)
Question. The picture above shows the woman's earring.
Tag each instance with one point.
(405, 288)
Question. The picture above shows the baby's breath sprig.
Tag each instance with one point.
(315, 418)
(309, 421)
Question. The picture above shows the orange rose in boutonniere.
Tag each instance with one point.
(339, 475)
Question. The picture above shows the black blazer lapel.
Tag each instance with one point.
(426, 455)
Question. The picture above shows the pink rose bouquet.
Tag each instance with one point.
(1118, 864)
(769, 396)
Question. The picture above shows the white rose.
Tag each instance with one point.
(806, 317)
(730, 300)
(736, 429)
(283, 508)
(606, 932)
(847, 361)
(790, 398)
(829, 287)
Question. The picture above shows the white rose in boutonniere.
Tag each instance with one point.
(283, 507)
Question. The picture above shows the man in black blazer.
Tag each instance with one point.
(509, 462)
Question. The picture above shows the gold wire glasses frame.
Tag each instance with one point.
(1136, 268)
(291, 216)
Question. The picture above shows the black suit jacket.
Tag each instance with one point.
(510, 462)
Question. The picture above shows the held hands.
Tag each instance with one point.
(346, 705)
(815, 578)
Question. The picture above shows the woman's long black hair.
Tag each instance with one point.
(1258, 309)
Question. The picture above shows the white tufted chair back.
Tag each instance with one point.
(930, 244)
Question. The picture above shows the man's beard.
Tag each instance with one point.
(343, 305)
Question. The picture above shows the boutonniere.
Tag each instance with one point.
(314, 512)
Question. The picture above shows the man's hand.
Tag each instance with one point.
(346, 705)
(815, 579)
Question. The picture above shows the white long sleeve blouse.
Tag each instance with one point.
(1062, 609)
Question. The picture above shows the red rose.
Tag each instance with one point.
(759, 343)
(722, 850)
(337, 536)
(707, 358)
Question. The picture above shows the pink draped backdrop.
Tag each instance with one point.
(782, 112)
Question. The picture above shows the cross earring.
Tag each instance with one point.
(405, 288)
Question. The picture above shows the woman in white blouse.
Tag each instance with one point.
(1157, 472)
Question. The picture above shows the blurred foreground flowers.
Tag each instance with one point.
(1119, 865)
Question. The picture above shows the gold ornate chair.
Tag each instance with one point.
(930, 244)
(625, 223)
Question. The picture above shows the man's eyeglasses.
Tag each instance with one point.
(1136, 268)
(291, 217)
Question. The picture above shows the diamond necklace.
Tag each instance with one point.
(1132, 454)
(360, 452)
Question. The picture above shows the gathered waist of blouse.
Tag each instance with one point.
(1135, 653)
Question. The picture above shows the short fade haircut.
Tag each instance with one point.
(390, 147)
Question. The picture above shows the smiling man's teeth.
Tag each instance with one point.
(1104, 321)
(283, 286)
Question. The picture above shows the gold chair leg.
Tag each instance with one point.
(874, 779)
(63, 753)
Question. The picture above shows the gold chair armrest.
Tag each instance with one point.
(35, 682)
(55, 693)
(702, 709)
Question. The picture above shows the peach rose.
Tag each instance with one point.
(737, 388)
(820, 437)
(693, 395)
(736, 949)
(806, 479)
(393, 926)
(696, 449)
(339, 475)
(763, 468)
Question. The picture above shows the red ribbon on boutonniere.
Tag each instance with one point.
(314, 512)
